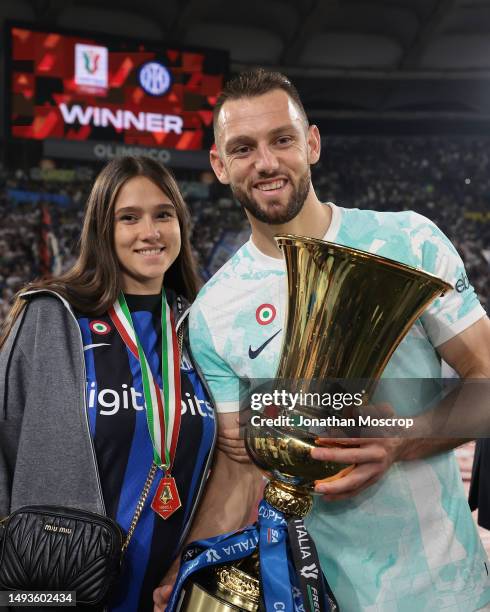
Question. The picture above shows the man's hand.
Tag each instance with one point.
(230, 436)
(372, 457)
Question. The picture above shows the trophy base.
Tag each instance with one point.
(195, 598)
(204, 595)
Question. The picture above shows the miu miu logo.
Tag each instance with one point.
(56, 529)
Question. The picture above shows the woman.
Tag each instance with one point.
(74, 408)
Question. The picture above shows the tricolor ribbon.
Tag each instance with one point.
(163, 406)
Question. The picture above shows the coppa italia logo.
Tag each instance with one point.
(91, 63)
(212, 555)
(265, 314)
(309, 571)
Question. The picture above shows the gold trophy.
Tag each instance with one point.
(347, 311)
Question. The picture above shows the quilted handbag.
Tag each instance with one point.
(53, 548)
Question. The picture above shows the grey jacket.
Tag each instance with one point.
(46, 451)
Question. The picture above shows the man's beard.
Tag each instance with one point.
(284, 215)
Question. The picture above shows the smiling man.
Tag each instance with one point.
(396, 532)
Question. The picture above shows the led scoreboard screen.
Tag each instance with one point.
(88, 87)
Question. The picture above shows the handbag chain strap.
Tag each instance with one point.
(151, 474)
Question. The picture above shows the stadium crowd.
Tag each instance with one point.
(446, 179)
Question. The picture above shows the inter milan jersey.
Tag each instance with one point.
(117, 418)
(408, 542)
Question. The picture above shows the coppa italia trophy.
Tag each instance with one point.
(347, 311)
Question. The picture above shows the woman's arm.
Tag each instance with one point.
(14, 369)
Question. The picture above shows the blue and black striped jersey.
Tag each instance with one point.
(123, 449)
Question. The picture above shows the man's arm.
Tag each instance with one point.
(231, 494)
(223, 383)
(469, 354)
(231, 435)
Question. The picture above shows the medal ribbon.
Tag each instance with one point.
(162, 406)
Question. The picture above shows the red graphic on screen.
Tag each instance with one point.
(48, 102)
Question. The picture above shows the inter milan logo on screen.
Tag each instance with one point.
(154, 78)
(91, 65)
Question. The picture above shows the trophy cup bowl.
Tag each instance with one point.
(347, 311)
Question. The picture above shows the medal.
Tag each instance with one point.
(166, 500)
(162, 405)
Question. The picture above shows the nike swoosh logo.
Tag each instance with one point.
(89, 346)
(255, 353)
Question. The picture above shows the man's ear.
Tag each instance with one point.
(314, 144)
(218, 166)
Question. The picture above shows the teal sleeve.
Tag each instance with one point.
(458, 308)
(223, 382)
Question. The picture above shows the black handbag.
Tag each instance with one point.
(53, 548)
(49, 548)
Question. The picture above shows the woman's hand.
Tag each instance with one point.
(161, 594)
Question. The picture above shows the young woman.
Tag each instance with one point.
(81, 421)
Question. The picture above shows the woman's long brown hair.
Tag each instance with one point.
(93, 283)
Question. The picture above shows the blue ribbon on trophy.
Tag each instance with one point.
(291, 579)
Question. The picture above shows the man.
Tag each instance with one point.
(395, 533)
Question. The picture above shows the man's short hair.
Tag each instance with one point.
(256, 82)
